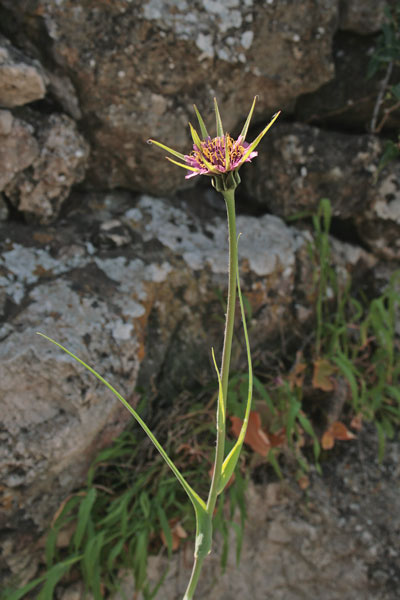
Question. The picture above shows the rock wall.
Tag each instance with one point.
(104, 245)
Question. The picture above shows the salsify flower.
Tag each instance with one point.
(219, 157)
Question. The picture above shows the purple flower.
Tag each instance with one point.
(221, 154)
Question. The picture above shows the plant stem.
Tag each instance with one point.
(197, 565)
(229, 196)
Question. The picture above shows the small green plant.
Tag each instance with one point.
(353, 340)
(356, 339)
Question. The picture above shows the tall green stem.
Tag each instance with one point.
(197, 565)
(229, 196)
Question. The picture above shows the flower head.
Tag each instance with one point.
(219, 157)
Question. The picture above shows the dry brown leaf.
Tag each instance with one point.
(277, 439)
(336, 431)
(303, 482)
(340, 432)
(323, 370)
(356, 422)
(178, 534)
(296, 375)
(327, 441)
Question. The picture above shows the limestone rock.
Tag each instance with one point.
(138, 67)
(298, 165)
(59, 162)
(380, 225)
(362, 16)
(3, 211)
(18, 147)
(21, 79)
(347, 101)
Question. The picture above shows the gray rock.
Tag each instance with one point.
(3, 209)
(362, 16)
(347, 102)
(21, 80)
(6, 120)
(380, 227)
(60, 161)
(140, 77)
(18, 147)
(299, 165)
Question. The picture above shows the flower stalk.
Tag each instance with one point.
(219, 158)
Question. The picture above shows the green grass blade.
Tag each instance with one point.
(91, 564)
(53, 576)
(115, 552)
(166, 528)
(83, 517)
(197, 502)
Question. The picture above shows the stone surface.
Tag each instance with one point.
(362, 16)
(57, 156)
(3, 209)
(347, 101)
(302, 164)
(21, 79)
(125, 61)
(341, 167)
(379, 227)
(18, 147)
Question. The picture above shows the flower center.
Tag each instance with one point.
(214, 151)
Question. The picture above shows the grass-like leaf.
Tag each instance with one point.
(197, 502)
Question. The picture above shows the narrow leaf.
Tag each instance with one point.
(165, 528)
(197, 502)
(83, 517)
(53, 577)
